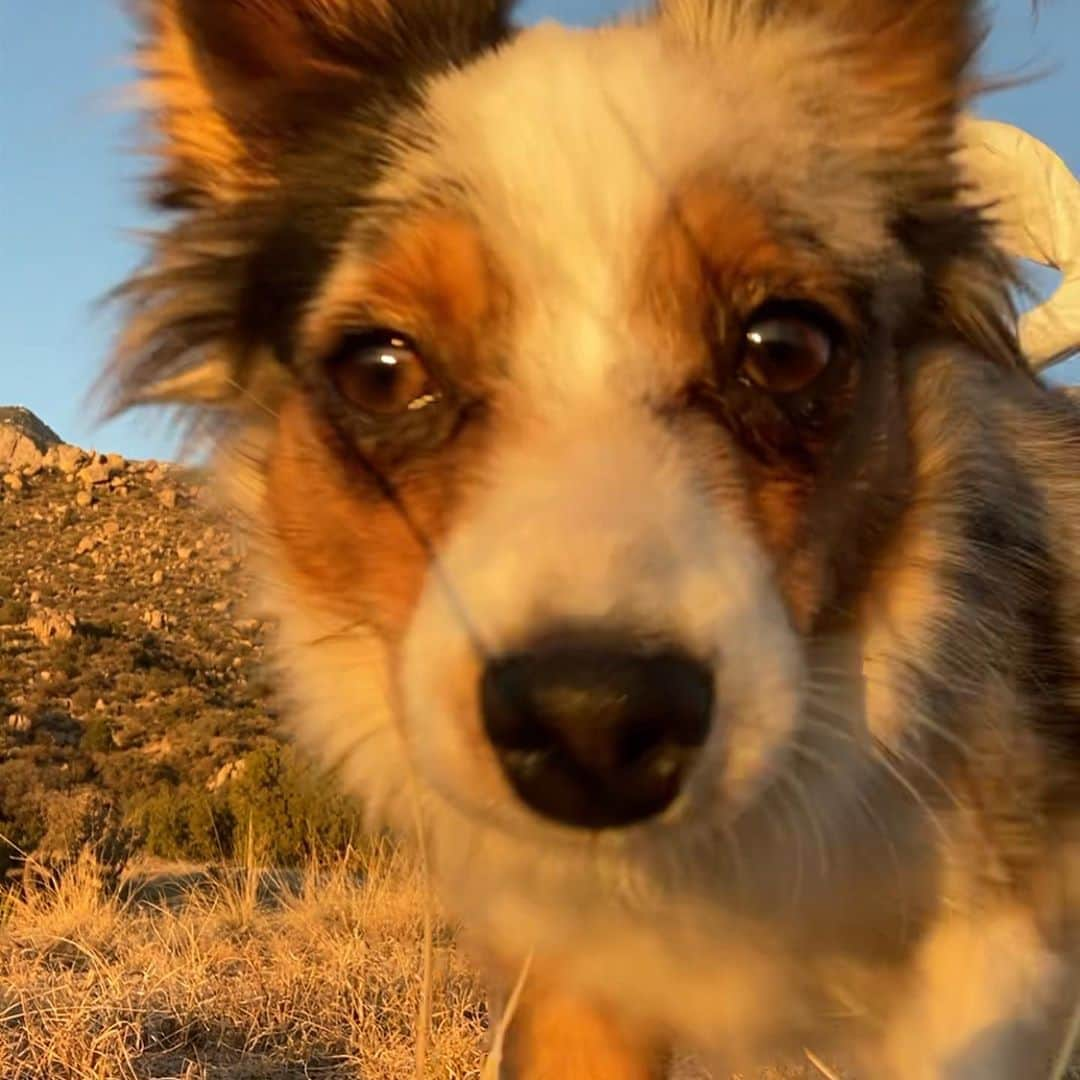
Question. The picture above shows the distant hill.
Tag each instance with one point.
(127, 665)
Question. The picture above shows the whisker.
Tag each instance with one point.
(916, 795)
(820, 1065)
(1068, 1046)
(878, 750)
(256, 401)
(812, 818)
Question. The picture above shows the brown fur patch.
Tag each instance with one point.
(432, 279)
(713, 259)
(556, 1036)
(364, 551)
(235, 82)
(362, 554)
(909, 52)
(195, 139)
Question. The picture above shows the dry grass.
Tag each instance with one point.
(247, 975)
(245, 979)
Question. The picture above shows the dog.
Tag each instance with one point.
(659, 520)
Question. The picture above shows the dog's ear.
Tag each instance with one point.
(909, 60)
(236, 90)
(912, 57)
(232, 83)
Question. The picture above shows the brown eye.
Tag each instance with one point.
(784, 353)
(382, 375)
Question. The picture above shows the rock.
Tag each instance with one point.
(168, 498)
(29, 425)
(20, 722)
(48, 625)
(87, 543)
(98, 472)
(24, 439)
(229, 771)
(68, 458)
(111, 528)
(83, 498)
(17, 451)
(183, 553)
(157, 578)
(155, 619)
(13, 481)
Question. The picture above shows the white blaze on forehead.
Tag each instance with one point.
(570, 144)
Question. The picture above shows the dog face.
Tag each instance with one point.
(566, 380)
(581, 347)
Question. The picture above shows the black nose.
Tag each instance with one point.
(596, 733)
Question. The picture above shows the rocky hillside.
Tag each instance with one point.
(127, 666)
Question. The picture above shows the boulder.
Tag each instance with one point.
(64, 458)
(97, 472)
(24, 439)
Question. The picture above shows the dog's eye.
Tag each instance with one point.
(784, 352)
(381, 374)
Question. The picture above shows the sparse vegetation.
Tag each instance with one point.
(190, 973)
(279, 798)
(127, 669)
(258, 975)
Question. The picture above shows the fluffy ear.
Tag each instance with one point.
(236, 91)
(913, 54)
(909, 60)
(232, 83)
(891, 77)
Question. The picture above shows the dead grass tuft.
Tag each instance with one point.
(235, 978)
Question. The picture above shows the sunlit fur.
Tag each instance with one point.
(876, 854)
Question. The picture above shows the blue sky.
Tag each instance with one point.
(68, 195)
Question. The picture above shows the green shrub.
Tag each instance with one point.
(13, 612)
(293, 809)
(184, 823)
(289, 809)
(97, 736)
(84, 820)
